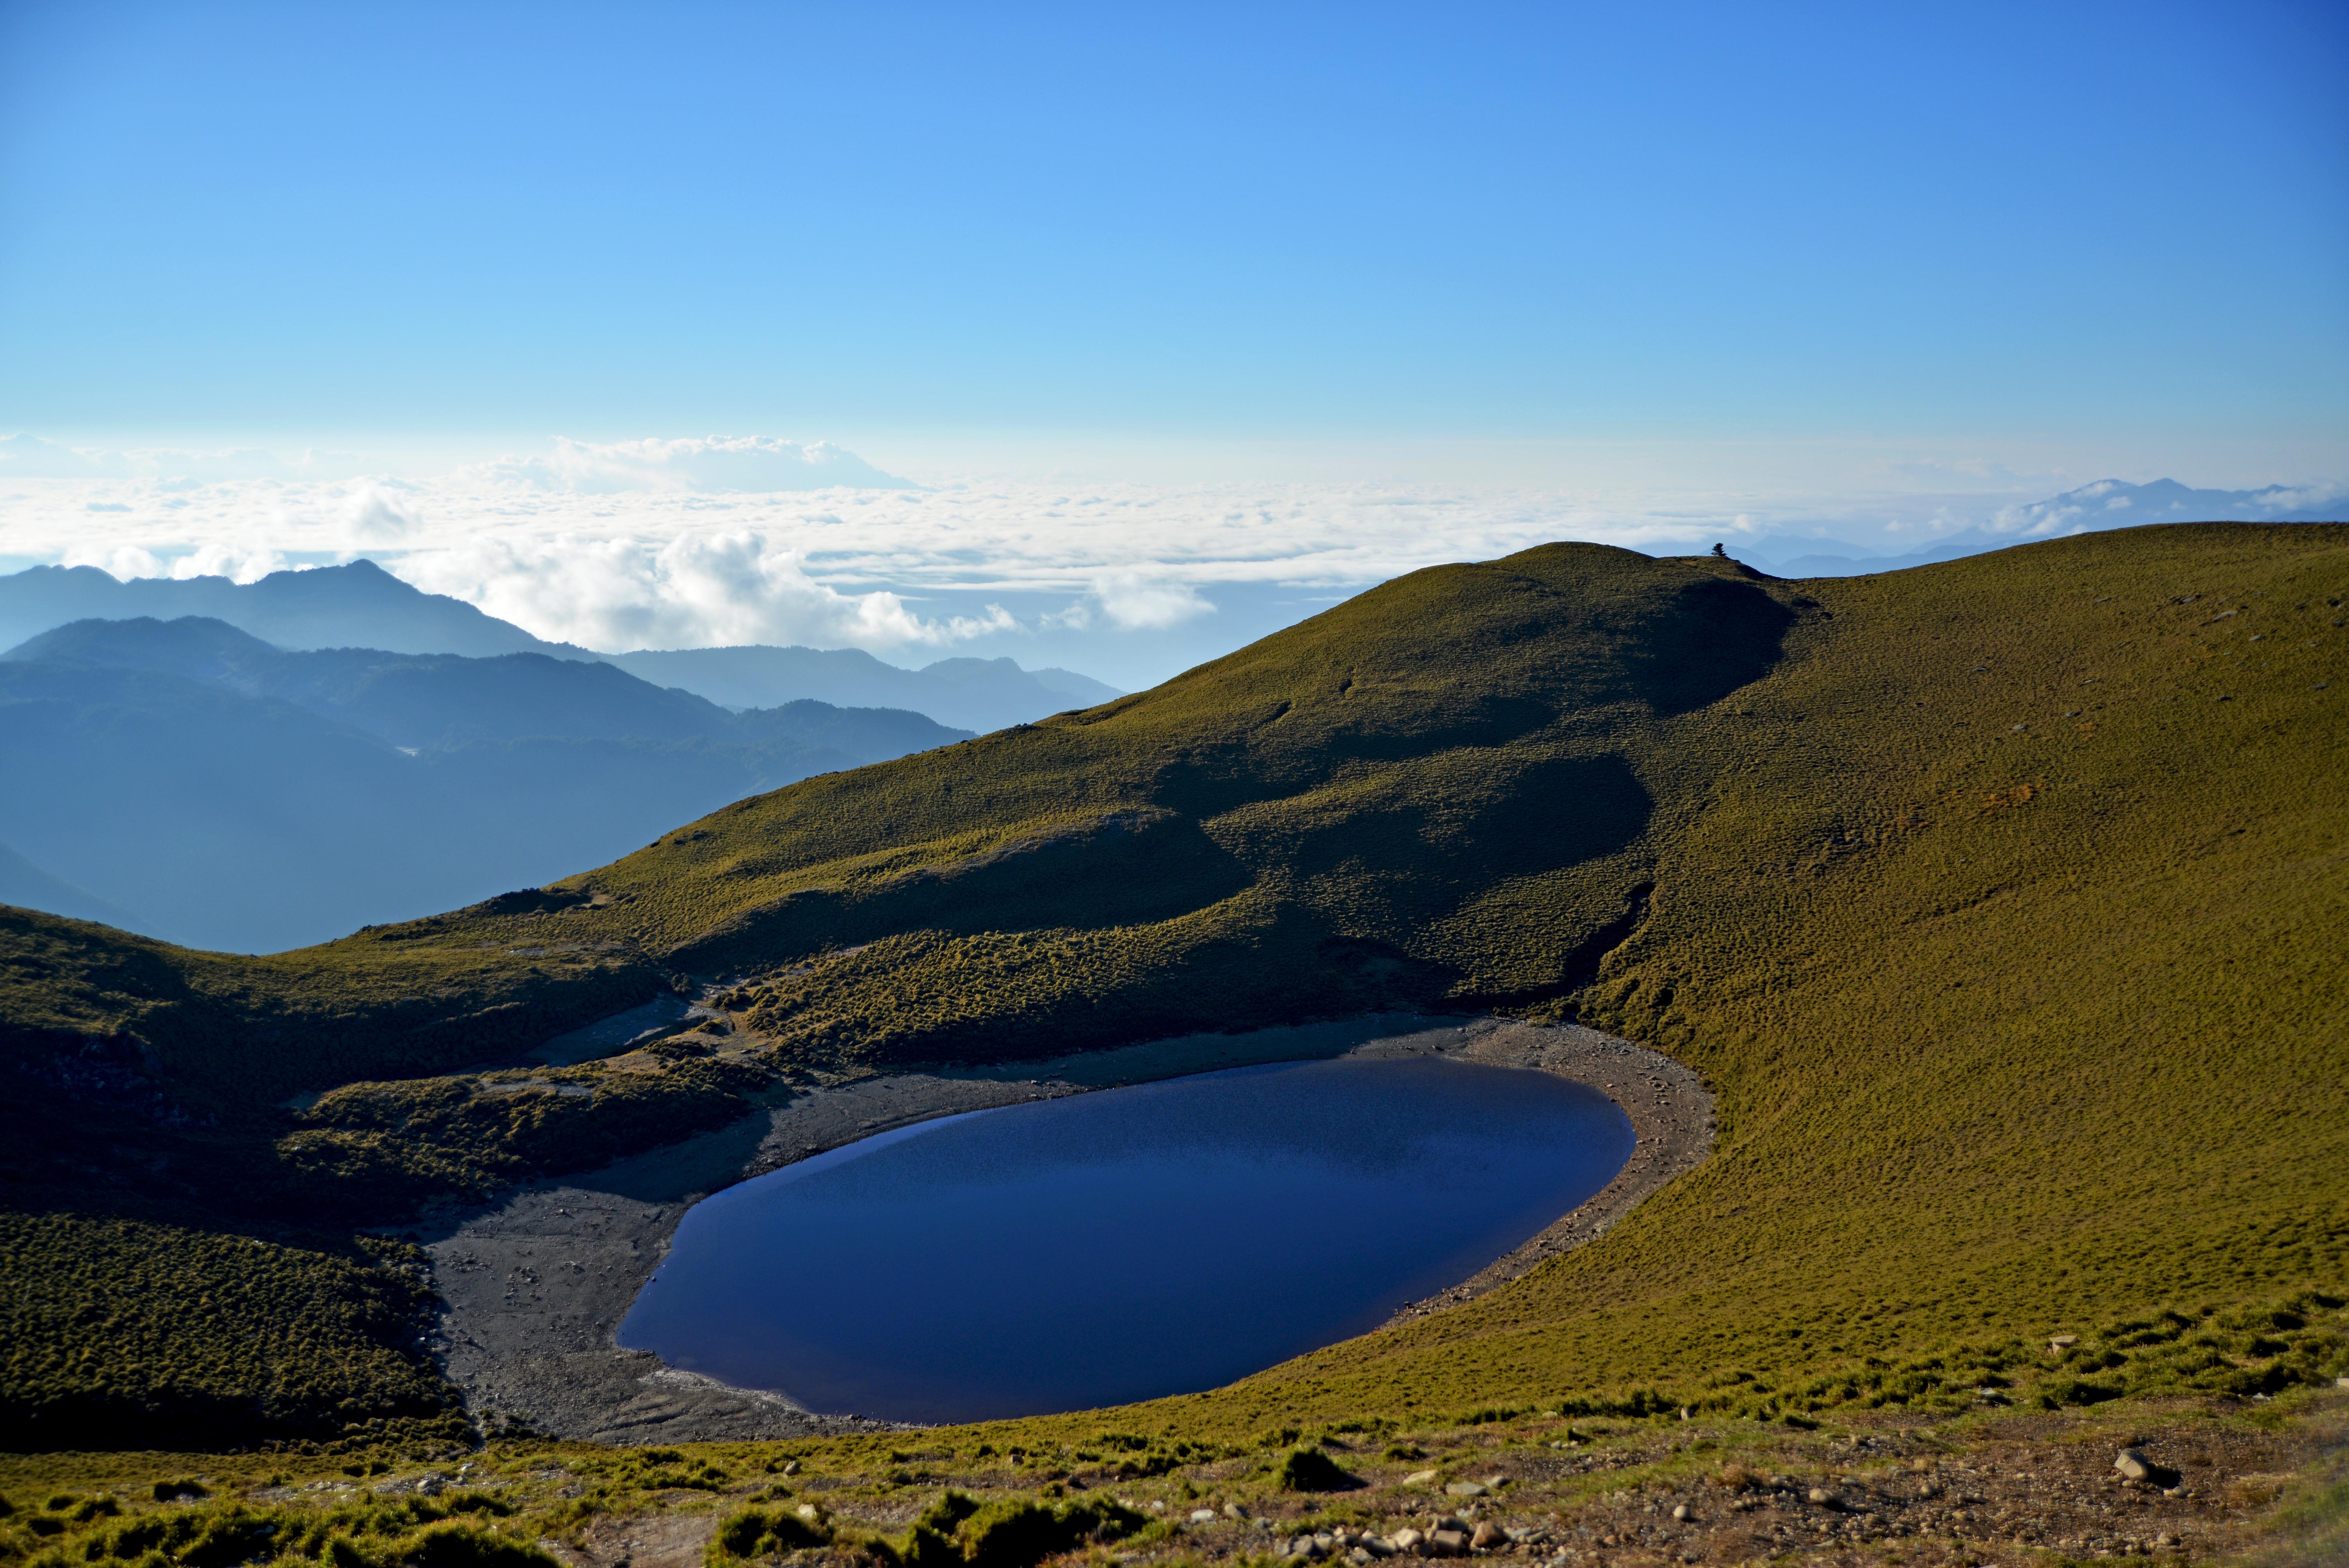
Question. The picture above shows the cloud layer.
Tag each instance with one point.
(711, 464)
(716, 541)
(704, 542)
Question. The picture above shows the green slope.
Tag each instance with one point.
(2001, 902)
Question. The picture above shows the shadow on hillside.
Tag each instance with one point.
(1539, 816)
(1127, 869)
(1714, 637)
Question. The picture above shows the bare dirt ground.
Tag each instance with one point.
(2232, 1481)
(536, 1285)
(2035, 1489)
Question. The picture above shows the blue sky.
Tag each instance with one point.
(1708, 263)
(469, 220)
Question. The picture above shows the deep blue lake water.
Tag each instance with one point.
(1123, 1244)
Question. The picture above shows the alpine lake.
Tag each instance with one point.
(1123, 1244)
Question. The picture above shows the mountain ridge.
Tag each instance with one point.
(239, 795)
(361, 605)
(1999, 903)
(2102, 504)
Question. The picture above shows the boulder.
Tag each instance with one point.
(1419, 1478)
(1488, 1535)
(1464, 1489)
(2137, 1467)
(1447, 1543)
(1407, 1542)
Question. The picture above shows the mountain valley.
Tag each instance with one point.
(1998, 905)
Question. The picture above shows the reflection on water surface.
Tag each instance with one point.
(1124, 1244)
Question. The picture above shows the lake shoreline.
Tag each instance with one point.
(536, 1283)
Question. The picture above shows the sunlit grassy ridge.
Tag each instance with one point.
(2002, 903)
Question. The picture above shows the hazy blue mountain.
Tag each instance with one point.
(874, 734)
(362, 606)
(409, 699)
(1003, 681)
(358, 605)
(1082, 691)
(2107, 503)
(28, 886)
(240, 796)
(1972, 541)
(2111, 503)
(439, 700)
(973, 694)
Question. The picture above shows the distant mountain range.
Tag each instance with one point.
(188, 780)
(361, 605)
(983, 694)
(2107, 503)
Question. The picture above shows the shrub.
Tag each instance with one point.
(1310, 1469)
(763, 1532)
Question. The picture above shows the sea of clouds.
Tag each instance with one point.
(688, 543)
(711, 542)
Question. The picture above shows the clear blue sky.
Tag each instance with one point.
(1497, 220)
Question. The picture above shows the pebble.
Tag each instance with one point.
(1821, 1497)
(1681, 1512)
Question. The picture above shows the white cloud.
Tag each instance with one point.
(31, 457)
(2276, 499)
(694, 590)
(1136, 601)
(712, 464)
(34, 456)
(241, 560)
(640, 544)
(122, 561)
(371, 515)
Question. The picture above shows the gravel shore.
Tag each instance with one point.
(537, 1283)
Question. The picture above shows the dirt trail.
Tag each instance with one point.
(536, 1285)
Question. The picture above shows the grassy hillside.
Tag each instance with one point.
(2002, 903)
